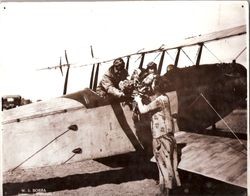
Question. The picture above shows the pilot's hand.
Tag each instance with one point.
(121, 94)
(137, 98)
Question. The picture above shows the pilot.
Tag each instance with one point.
(151, 68)
(140, 74)
(148, 76)
(109, 84)
(162, 129)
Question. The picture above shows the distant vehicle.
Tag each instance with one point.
(11, 101)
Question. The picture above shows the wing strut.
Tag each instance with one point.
(142, 59)
(161, 62)
(96, 77)
(177, 57)
(127, 65)
(199, 54)
(92, 77)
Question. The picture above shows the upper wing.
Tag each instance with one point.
(223, 34)
(226, 33)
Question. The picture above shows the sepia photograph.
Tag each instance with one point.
(124, 98)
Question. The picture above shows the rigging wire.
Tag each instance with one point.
(157, 56)
(240, 53)
(187, 56)
(140, 56)
(71, 157)
(40, 149)
(223, 121)
(169, 55)
(212, 53)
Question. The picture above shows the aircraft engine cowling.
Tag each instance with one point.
(224, 86)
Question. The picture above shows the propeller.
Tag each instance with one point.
(92, 72)
(92, 53)
(60, 65)
(66, 57)
(67, 74)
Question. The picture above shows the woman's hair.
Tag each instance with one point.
(159, 85)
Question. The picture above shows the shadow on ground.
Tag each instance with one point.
(133, 169)
(126, 168)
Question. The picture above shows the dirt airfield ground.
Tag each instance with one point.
(126, 174)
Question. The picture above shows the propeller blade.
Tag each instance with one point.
(91, 85)
(92, 53)
(61, 65)
(67, 75)
(66, 57)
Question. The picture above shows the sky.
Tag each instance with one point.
(34, 35)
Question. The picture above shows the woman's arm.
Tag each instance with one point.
(146, 108)
(142, 108)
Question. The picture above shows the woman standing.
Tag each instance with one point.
(164, 143)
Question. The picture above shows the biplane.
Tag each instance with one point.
(80, 126)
